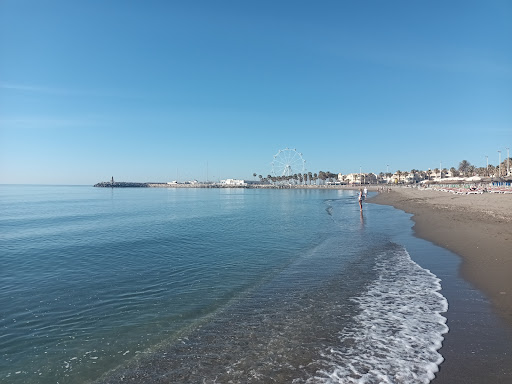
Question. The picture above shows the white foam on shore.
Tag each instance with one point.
(397, 334)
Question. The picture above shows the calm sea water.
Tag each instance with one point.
(211, 285)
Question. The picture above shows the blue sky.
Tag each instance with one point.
(155, 90)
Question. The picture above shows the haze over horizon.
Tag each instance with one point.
(157, 91)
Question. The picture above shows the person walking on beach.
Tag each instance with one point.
(360, 197)
(365, 192)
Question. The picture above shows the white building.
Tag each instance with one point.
(358, 178)
(233, 182)
(351, 178)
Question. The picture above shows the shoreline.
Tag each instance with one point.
(478, 228)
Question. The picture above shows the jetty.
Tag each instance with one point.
(121, 184)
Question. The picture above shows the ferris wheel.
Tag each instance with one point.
(288, 162)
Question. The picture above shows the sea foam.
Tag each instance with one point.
(398, 332)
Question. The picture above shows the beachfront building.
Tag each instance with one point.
(405, 177)
(399, 177)
(358, 178)
(342, 179)
(411, 177)
(233, 182)
(450, 173)
(370, 178)
(351, 178)
(437, 174)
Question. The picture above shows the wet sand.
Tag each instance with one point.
(478, 228)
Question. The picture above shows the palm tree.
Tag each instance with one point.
(399, 173)
(429, 172)
(454, 172)
(492, 170)
(321, 176)
(480, 171)
(464, 167)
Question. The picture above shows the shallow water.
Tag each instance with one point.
(208, 285)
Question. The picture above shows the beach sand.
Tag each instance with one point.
(478, 228)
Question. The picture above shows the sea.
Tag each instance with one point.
(186, 285)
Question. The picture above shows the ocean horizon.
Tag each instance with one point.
(213, 285)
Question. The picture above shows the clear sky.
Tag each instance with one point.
(159, 90)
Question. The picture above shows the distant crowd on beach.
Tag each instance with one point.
(383, 189)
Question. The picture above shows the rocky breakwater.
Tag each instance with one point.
(120, 184)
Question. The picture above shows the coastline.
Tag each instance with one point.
(478, 228)
(124, 184)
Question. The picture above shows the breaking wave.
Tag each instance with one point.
(397, 334)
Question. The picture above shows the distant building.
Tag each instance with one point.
(370, 178)
(233, 182)
(409, 178)
(405, 178)
(359, 178)
(351, 178)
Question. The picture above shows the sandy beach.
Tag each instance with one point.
(476, 227)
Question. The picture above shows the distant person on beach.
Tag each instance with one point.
(360, 197)
(365, 192)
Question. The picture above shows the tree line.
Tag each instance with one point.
(307, 178)
(465, 169)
